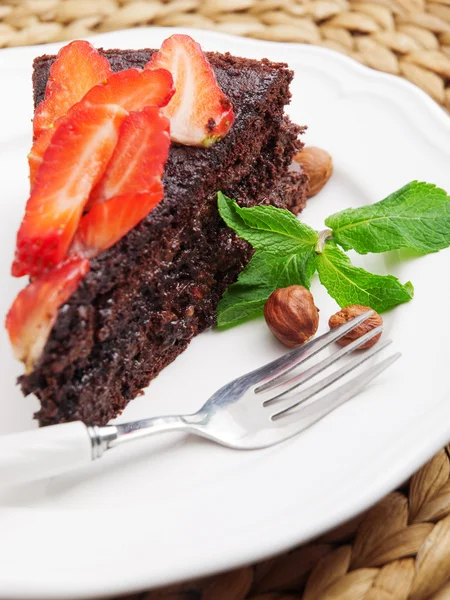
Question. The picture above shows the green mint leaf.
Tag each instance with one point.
(267, 228)
(351, 285)
(417, 216)
(265, 273)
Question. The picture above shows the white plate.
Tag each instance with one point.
(177, 507)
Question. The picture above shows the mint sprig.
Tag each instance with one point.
(267, 228)
(288, 252)
(348, 284)
(417, 216)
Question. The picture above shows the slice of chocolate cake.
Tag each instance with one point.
(148, 295)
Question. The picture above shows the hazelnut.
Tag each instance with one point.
(318, 166)
(291, 315)
(350, 312)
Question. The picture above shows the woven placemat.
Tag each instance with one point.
(400, 549)
(405, 37)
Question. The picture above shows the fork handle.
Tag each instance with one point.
(111, 436)
(55, 449)
(44, 452)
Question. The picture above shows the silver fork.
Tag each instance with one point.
(259, 409)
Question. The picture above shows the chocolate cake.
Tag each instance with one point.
(147, 296)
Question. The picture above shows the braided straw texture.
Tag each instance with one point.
(398, 550)
(404, 37)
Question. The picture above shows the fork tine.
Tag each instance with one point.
(299, 420)
(301, 397)
(286, 363)
(288, 386)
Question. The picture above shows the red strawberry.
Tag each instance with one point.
(139, 157)
(107, 222)
(36, 155)
(73, 163)
(199, 113)
(34, 311)
(131, 185)
(77, 68)
(131, 89)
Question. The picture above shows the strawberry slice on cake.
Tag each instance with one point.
(31, 317)
(74, 162)
(139, 157)
(200, 113)
(131, 185)
(77, 68)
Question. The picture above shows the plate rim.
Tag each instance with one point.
(422, 451)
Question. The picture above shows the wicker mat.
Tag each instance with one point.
(400, 549)
(405, 37)
(397, 550)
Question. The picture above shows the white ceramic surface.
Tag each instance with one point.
(176, 507)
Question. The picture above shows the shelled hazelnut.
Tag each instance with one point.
(350, 312)
(318, 166)
(291, 315)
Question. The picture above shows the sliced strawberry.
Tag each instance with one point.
(74, 162)
(34, 311)
(77, 68)
(131, 185)
(139, 157)
(199, 113)
(36, 155)
(107, 222)
(131, 89)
